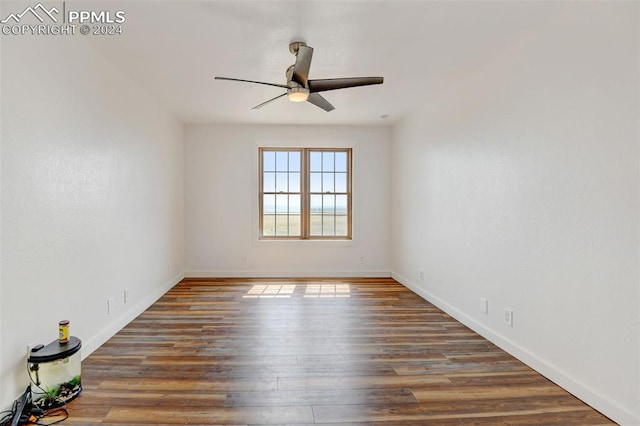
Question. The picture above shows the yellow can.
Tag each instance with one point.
(63, 331)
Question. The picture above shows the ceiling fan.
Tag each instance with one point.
(300, 88)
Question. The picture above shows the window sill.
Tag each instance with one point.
(305, 243)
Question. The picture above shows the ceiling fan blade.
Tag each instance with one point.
(319, 101)
(270, 100)
(303, 63)
(342, 83)
(284, 86)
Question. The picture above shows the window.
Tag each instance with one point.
(305, 193)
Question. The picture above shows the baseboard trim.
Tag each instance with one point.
(89, 345)
(598, 401)
(92, 343)
(287, 274)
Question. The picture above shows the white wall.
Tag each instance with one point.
(521, 186)
(221, 208)
(92, 198)
(2, 392)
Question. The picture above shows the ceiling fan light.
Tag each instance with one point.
(297, 94)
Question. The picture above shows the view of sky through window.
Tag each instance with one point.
(305, 193)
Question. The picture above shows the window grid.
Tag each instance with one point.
(280, 188)
(321, 182)
(330, 186)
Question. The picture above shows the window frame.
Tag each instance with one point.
(305, 194)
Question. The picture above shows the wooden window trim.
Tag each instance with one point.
(305, 194)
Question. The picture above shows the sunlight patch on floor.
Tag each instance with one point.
(270, 291)
(327, 290)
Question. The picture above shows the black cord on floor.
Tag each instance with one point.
(53, 413)
(8, 415)
(35, 415)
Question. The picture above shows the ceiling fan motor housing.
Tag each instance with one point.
(289, 74)
(296, 92)
(300, 88)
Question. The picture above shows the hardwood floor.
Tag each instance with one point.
(352, 351)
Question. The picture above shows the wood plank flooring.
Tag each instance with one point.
(342, 351)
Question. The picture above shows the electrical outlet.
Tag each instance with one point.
(361, 260)
(110, 305)
(243, 260)
(421, 275)
(484, 305)
(125, 296)
(508, 317)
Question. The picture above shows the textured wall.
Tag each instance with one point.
(91, 198)
(521, 186)
(221, 207)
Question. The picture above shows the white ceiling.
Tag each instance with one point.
(175, 48)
